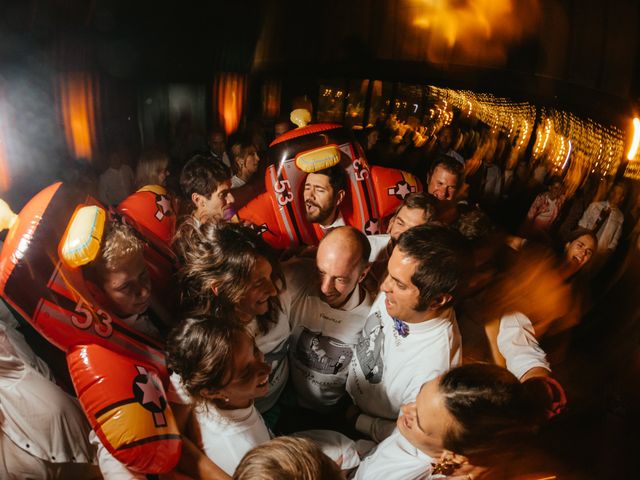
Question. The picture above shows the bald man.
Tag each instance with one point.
(327, 307)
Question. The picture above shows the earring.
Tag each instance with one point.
(226, 399)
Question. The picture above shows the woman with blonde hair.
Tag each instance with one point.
(287, 458)
(245, 163)
(152, 169)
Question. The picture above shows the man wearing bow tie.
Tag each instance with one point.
(411, 335)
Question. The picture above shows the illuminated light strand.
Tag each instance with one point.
(633, 150)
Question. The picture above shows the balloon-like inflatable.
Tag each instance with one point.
(374, 192)
(119, 373)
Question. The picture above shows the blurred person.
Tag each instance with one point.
(445, 143)
(152, 169)
(218, 147)
(411, 334)
(324, 192)
(245, 163)
(469, 416)
(287, 458)
(282, 126)
(206, 189)
(579, 249)
(605, 219)
(445, 178)
(545, 209)
(117, 181)
(43, 432)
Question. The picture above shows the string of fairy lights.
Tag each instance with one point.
(566, 144)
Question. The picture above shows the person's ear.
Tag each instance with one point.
(211, 394)
(196, 198)
(440, 301)
(364, 273)
(340, 197)
(215, 286)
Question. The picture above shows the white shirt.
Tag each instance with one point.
(395, 458)
(115, 185)
(275, 346)
(322, 337)
(609, 232)
(338, 222)
(226, 435)
(518, 345)
(379, 247)
(36, 414)
(237, 182)
(388, 370)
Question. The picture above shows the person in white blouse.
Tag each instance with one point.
(605, 219)
(223, 371)
(43, 431)
(460, 420)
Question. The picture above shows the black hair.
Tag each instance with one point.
(491, 408)
(437, 250)
(202, 175)
(337, 178)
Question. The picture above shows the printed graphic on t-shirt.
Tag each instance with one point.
(369, 349)
(275, 360)
(322, 354)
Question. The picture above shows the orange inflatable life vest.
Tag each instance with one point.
(373, 193)
(119, 373)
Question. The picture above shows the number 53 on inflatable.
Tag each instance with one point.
(373, 192)
(119, 373)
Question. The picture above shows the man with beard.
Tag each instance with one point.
(324, 192)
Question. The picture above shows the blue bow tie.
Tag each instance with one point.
(401, 327)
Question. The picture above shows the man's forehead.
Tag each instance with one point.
(226, 185)
(318, 179)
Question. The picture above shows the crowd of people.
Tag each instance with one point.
(419, 353)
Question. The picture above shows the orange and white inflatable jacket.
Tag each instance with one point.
(119, 373)
(279, 213)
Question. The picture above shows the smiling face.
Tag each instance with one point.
(127, 286)
(404, 220)
(443, 184)
(218, 207)
(320, 201)
(402, 295)
(579, 252)
(426, 421)
(340, 271)
(258, 291)
(247, 378)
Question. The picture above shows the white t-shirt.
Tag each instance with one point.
(226, 435)
(275, 346)
(322, 337)
(388, 369)
(395, 458)
(379, 247)
(237, 182)
(518, 345)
